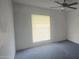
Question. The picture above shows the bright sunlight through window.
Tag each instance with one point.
(40, 28)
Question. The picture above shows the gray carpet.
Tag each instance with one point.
(61, 50)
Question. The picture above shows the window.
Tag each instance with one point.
(40, 28)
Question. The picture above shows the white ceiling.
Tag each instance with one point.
(42, 3)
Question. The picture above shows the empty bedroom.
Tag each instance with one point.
(39, 29)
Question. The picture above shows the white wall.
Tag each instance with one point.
(23, 26)
(7, 48)
(73, 25)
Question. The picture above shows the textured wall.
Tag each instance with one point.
(7, 48)
(73, 25)
(23, 26)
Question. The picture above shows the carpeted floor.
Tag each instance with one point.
(61, 50)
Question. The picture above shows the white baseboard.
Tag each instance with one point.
(74, 41)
